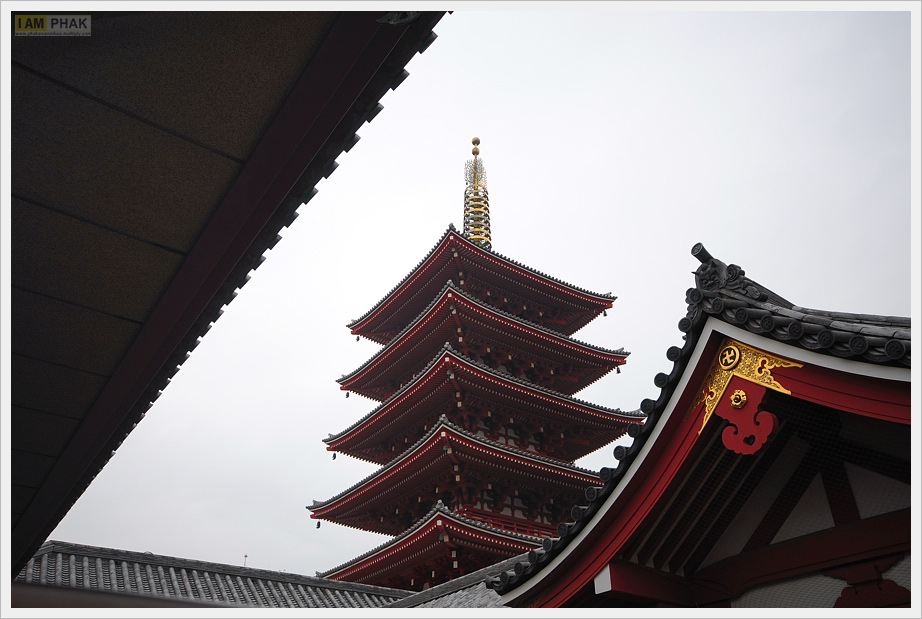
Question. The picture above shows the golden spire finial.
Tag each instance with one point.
(476, 200)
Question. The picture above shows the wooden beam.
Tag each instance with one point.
(623, 579)
(866, 539)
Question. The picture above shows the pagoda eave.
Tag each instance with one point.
(441, 537)
(448, 381)
(476, 329)
(454, 254)
(411, 480)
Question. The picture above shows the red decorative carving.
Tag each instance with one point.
(751, 426)
(748, 433)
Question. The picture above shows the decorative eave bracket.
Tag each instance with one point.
(748, 372)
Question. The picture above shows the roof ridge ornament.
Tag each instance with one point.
(716, 276)
(476, 201)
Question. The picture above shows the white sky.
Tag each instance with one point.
(613, 141)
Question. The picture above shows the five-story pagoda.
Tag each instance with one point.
(477, 429)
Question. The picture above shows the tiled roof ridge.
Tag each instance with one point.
(141, 557)
(450, 285)
(455, 584)
(443, 421)
(854, 317)
(438, 507)
(691, 325)
(725, 292)
(452, 230)
(446, 348)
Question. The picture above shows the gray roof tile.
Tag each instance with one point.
(140, 573)
(467, 591)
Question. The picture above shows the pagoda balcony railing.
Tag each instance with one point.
(508, 523)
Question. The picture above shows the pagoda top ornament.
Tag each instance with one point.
(476, 200)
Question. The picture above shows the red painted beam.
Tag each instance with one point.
(825, 551)
(634, 581)
(878, 398)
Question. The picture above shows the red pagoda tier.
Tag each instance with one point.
(440, 542)
(477, 429)
(508, 488)
(500, 407)
(486, 334)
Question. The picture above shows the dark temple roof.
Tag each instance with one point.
(725, 293)
(152, 165)
(450, 289)
(93, 569)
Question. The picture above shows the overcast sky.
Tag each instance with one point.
(613, 141)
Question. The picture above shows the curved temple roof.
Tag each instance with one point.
(109, 301)
(722, 292)
(725, 292)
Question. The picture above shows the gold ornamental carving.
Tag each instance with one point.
(737, 359)
(738, 399)
(729, 357)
